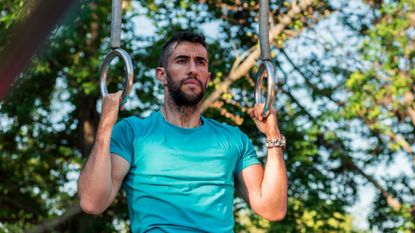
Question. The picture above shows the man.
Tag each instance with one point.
(177, 167)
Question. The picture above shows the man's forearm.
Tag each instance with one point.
(267, 189)
(95, 184)
(274, 185)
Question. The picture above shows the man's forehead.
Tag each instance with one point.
(185, 48)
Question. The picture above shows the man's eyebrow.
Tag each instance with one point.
(181, 57)
(187, 57)
(201, 58)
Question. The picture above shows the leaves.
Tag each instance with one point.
(342, 78)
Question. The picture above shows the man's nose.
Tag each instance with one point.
(192, 67)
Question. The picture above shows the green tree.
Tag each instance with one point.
(49, 118)
(383, 101)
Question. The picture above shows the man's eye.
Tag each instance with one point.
(181, 61)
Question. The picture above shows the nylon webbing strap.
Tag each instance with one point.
(115, 44)
(116, 24)
(264, 30)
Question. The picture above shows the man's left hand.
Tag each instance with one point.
(267, 125)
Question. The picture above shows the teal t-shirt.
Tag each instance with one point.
(181, 180)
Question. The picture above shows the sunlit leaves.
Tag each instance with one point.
(381, 98)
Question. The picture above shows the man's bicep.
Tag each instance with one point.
(249, 182)
(119, 169)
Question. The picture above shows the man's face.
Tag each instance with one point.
(187, 73)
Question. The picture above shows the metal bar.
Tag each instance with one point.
(116, 24)
(264, 30)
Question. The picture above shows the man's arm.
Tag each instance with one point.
(102, 175)
(266, 190)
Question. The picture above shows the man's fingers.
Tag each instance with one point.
(251, 113)
(259, 108)
(255, 112)
(115, 96)
(111, 101)
(118, 94)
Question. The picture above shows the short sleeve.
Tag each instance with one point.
(122, 140)
(248, 154)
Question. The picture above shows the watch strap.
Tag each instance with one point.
(278, 142)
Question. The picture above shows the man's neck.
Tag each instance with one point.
(182, 116)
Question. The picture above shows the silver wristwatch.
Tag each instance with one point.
(279, 142)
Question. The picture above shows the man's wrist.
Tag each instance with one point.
(104, 129)
(279, 142)
(273, 135)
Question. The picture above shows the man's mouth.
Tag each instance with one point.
(192, 81)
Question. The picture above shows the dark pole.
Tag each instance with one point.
(27, 37)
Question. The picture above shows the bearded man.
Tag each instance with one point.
(178, 168)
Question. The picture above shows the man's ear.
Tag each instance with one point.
(161, 75)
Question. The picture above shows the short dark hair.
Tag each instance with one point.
(176, 39)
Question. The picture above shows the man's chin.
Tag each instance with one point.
(190, 99)
(192, 93)
(193, 100)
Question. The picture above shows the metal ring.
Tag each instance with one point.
(268, 67)
(128, 68)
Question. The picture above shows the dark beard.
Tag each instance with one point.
(181, 98)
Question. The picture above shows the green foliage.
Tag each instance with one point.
(49, 118)
(381, 99)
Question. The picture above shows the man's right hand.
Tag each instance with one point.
(110, 107)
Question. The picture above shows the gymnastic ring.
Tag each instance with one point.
(268, 68)
(128, 69)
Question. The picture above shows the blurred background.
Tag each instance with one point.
(345, 100)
